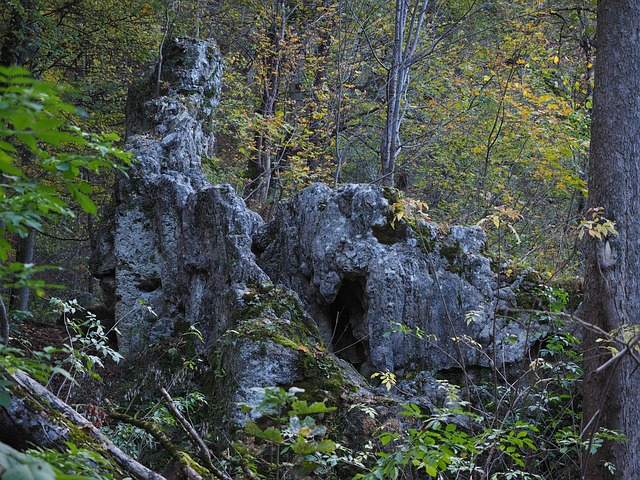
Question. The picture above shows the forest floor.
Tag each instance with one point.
(35, 336)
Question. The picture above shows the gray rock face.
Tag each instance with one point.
(179, 249)
(180, 252)
(365, 282)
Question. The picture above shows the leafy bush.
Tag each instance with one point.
(526, 425)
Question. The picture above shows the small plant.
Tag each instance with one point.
(524, 426)
(387, 378)
(503, 216)
(86, 337)
(289, 429)
(75, 461)
(37, 364)
(409, 209)
(136, 441)
(597, 226)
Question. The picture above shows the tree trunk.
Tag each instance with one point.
(4, 324)
(613, 264)
(20, 296)
(261, 169)
(405, 41)
(391, 138)
(20, 48)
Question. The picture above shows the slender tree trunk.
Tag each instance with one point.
(261, 169)
(407, 31)
(4, 324)
(391, 138)
(20, 48)
(26, 247)
(611, 394)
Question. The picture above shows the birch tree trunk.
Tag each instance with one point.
(405, 42)
(612, 393)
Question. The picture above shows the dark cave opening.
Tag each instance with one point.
(348, 333)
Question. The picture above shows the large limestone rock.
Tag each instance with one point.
(332, 284)
(178, 251)
(362, 278)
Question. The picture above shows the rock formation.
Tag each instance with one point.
(362, 278)
(174, 254)
(333, 266)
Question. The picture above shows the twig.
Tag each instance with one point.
(204, 450)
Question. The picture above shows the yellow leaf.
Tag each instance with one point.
(556, 60)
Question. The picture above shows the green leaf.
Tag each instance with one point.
(302, 447)
(56, 138)
(64, 373)
(270, 434)
(385, 438)
(326, 446)
(6, 165)
(47, 124)
(431, 470)
(28, 140)
(6, 146)
(34, 471)
(301, 408)
(83, 200)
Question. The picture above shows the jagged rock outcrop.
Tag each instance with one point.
(362, 277)
(174, 254)
(334, 266)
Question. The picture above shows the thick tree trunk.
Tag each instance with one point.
(613, 264)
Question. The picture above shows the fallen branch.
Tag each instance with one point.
(37, 416)
(157, 433)
(201, 446)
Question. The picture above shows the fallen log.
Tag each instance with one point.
(36, 416)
